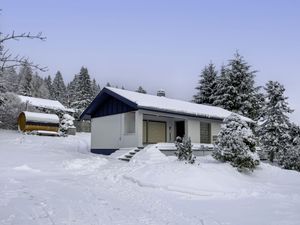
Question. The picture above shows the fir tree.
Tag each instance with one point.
(95, 88)
(59, 88)
(206, 88)
(141, 90)
(40, 89)
(25, 84)
(274, 128)
(236, 90)
(236, 144)
(48, 84)
(108, 84)
(84, 93)
(72, 90)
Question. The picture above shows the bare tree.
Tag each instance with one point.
(8, 60)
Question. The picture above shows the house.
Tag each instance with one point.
(121, 119)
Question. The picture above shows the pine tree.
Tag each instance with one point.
(84, 93)
(184, 150)
(48, 84)
(9, 80)
(236, 144)
(274, 128)
(95, 88)
(206, 88)
(141, 90)
(108, 84)
(236, 90)
(59, 88)
(25, 84)
(72, 90)
(40, 90)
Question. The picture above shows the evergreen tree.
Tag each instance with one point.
(108, 84)
(236, 90)
(48, 84)
(9, 80)
(59, 88)
(95, 88)
(25, 84)
(84, 93)
(184, 150)
(141, 90)
(274, 128)
(295, 134)
(206, 88)
(236, 144)
(40, 90)
(72, 90)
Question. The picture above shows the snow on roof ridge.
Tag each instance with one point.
(174, 105)
(38, 117)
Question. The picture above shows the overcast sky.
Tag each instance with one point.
(160, 44)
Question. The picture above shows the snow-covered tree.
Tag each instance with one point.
(48, 84)
(295, 134)
(40, 89)
(236, 90)
(236, 144)
(141, 90)
(95, 88)
(184, 150)
(10, 108)
(59, 88)
(25, 84)
(207, 85)
(9, 80)
(291, 160)
(273, 130)
(84, 94)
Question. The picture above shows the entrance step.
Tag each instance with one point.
(130, 154)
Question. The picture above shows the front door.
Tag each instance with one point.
(154, 132)
(180, 129)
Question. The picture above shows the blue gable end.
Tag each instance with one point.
(111, 106)
(108, 103)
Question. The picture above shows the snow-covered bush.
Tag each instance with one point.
(66, 123)
(10, 108)
(184, 150)
(236, 144)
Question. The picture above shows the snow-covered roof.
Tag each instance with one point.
(41, 117)
(168, 105)
(173, 105)
(44, 103)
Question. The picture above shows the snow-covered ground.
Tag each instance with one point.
(55, 180)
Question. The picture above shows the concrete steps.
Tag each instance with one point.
(129, 155)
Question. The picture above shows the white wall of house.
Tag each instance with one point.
(117, 131)
(126, 129)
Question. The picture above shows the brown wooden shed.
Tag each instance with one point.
(32, 121)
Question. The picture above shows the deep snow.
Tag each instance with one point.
(55, 180)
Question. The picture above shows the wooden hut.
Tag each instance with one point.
(32, 121)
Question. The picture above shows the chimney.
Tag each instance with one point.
(161, 93)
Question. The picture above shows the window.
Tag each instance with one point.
(129, 123)
(205, 133)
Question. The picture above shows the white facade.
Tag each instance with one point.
(126, 129)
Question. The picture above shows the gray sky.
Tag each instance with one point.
(160, 44)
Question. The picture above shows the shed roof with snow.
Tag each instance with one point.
(44, 103)
(125, 101)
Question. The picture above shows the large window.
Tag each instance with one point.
(129, 123)
(205, 133)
